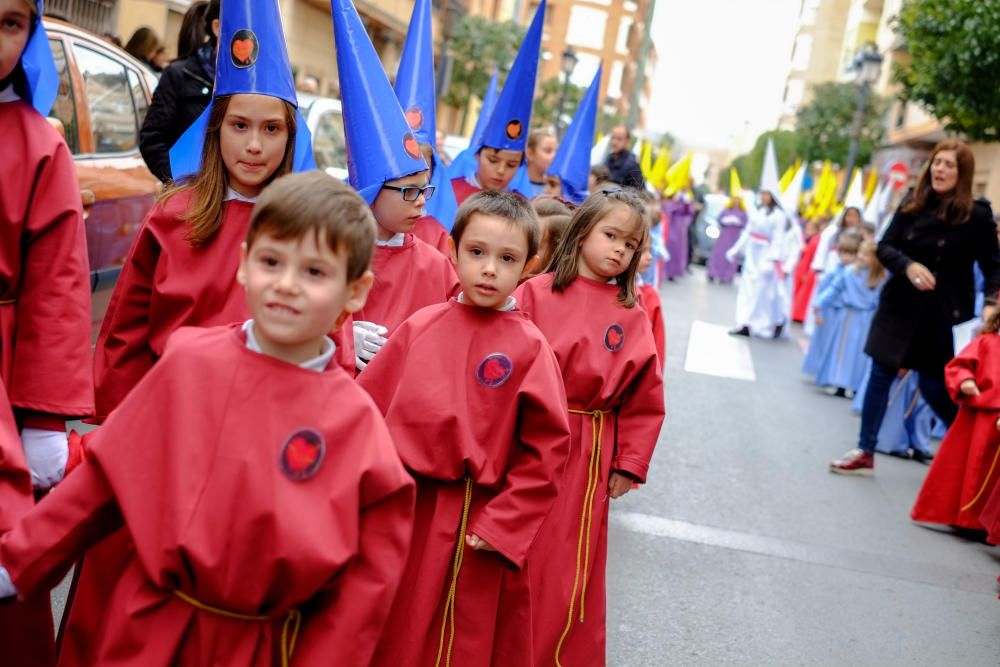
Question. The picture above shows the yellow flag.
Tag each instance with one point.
(786, 178)
(600, 136)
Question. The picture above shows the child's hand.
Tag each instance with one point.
(479, 544)
(969, 388)
(998, 424)
(820, 320)
(619, 485)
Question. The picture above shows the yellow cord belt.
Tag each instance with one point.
(586, 519)
(289, 631)
(6, 302)
(448, 620)
(986, 482)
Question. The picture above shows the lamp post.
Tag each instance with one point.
(867, 68)
(569, 60)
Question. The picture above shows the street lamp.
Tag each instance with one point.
(569, 61)
(867, 68)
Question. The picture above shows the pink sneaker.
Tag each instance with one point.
(855, 462)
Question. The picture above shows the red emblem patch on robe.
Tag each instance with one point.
(494, 370)
(302, 454)
(614, 337)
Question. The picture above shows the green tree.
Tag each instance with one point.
(954, 67)
(824, 125)
(546, 105)
(479, 46)
(749, 165)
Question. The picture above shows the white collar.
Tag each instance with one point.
(317, 364)
(8, 94)
(508, 305)
(395, 242)
(234, 195)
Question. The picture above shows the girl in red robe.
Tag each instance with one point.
(805, 276)
(967, 465)
(45, 315)
(586, 307)
(268, 510)
(473, 397)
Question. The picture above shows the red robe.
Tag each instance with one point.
(166, 284)
(45, 320)
(608, 361)
(990, 515)
(407, 278)
(468, 391)
(650, 301)
(966, 469)
(804, 280)
(279, 489)
(433, 233)
(463, 189)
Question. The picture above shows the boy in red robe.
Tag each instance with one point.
(473, 397)
(268, 509)
(45, 316)
(966, 467)
(392, 176)
(500, 150)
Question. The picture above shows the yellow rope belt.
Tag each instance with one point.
(586, 519)
(289, 631)
(448, 619)
(5, 302)
(986, 482)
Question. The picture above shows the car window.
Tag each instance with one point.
(328, 141)
(112, 116)
(138, 96)
(64, 108)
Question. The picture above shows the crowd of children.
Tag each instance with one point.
(332, 428)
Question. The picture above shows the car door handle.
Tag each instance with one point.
(88, 199)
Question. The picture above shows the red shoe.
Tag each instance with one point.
(855, 462)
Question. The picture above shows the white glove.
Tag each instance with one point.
(46, 452)
(7, 589)
(368, 340)
(731, 255)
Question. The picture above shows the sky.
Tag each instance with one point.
(722, 67)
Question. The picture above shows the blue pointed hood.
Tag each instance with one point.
(415, 76)
(380, 146)
(252, 59)
(572, 161)
(510, 121)
(40, 67)
(486, 109)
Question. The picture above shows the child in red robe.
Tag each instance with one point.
(499, 152)
(267, 506)
(473, 397)
(586, 307)
(392, 176)
(45, 316)
(966, 467)
(805, 277)
(650, 301)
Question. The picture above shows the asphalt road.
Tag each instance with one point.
(743, 549)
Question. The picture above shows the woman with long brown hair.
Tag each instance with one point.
(930, 246)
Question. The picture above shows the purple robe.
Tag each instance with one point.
(731, 223)
(681, 215)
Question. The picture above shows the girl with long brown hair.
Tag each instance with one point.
(929, 248)
(586, 306)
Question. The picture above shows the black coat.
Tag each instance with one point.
(912, 329)
(625, 170)
(185, 89)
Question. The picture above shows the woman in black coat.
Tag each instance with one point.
(184, 91)
(930, 246)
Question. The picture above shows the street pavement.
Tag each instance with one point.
(742, 549)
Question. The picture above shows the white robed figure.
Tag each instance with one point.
(759, 302)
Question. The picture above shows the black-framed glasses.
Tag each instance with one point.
(412, 192)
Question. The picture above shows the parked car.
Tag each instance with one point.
(706, 226)
(326, 123)
(103, 97)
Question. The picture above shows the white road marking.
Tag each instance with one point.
(712, 351)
